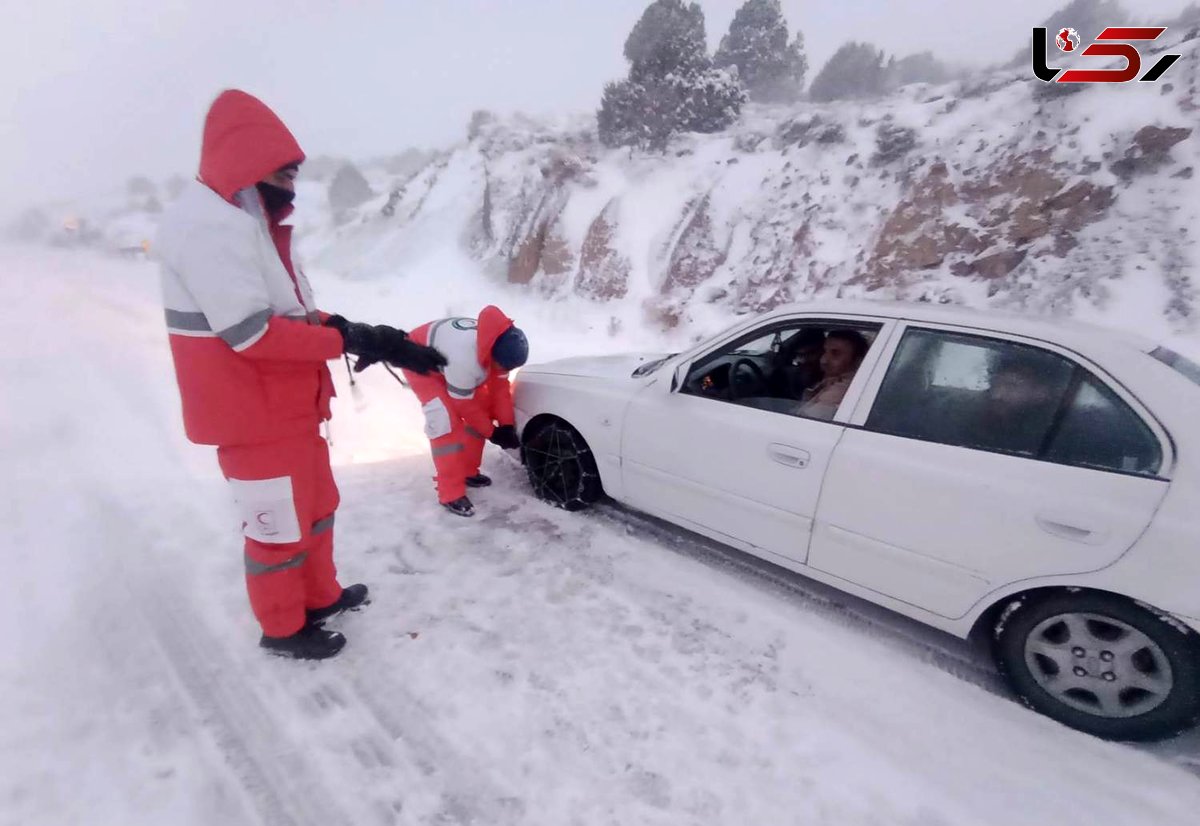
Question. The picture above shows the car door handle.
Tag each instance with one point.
(1076, 533)
(788, 455)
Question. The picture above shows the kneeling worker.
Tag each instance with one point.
(469, 401)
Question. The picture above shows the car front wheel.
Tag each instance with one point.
(1102, 664)
(561, 467)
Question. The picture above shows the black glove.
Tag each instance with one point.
(360, 340)
(398, 350)
(383, 343)
(505, 436)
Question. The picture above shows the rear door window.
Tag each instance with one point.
(1098, 430)
(1005, 397)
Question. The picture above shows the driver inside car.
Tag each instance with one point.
(802, 368)
(842, 354)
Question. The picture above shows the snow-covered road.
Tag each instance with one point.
(525, 667)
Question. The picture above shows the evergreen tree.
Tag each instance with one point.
(140, 186)
(771, 68)
(855, 71)
(174, 186)
(348, 189)
(669, 38)
(917, 68)
(622, 115)
(672, 86)
(32, 225)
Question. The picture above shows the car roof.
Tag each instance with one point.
(1063, 331)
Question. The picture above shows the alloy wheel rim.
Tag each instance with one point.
(1099, 665)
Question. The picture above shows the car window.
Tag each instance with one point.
(988, 394)
(1099, 430)
(1184, 366)
(792, 368)
(761, 345)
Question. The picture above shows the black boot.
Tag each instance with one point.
(478, 481)
(461, 506)
(352, 599)
(312, 642)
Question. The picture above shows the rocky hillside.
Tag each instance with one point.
(998, 191)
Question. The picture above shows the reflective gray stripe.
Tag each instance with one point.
(322, 525)
(473, 432)
(256, 568)
(446, 450)
(188, 322)
(433, 330)
(314, 318)
(466, 394)
(245, 331)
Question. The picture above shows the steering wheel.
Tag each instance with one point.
(740, 390)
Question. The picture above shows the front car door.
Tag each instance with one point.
(979, 460)
(726, 448)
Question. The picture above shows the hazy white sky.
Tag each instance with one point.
(93, 91)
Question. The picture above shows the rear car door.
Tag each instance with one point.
(980, 460)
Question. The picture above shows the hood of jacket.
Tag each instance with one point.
(244, 142)
(492, 322)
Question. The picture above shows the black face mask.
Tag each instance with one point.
(274, 197)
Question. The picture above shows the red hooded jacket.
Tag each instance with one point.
(245, 333)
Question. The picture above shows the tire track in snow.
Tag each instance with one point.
(282, 785)
(476, 800)
(597, 570)
(403, 767)
(826, 601)
(955, 657)
(958, 658)
(965, 664)
(968, 663)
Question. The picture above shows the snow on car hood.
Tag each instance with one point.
(600, 367)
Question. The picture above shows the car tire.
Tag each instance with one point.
(561, 467)
(1102, 664)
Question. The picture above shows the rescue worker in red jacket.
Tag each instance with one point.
(471, 400)
(249, 348)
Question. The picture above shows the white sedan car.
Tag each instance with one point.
(1035, 481)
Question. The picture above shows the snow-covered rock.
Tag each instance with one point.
(987, 192)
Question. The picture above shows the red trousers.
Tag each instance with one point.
(458, 448)
(286, 497)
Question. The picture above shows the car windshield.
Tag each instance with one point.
(1180, 364)
(759, 346)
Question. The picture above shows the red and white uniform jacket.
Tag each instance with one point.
(245, 332)
(470, 377)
